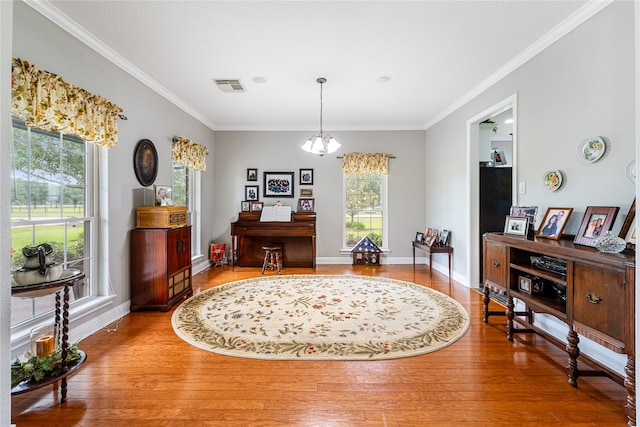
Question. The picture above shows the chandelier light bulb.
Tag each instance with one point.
(321, 143)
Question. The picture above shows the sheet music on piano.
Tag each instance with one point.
(276, 213)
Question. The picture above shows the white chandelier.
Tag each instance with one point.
(321, 143)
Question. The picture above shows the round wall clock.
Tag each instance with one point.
(145, 162)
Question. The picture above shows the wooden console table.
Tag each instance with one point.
(592, 292)
(432, 250)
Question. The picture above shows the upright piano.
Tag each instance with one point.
(298, 236)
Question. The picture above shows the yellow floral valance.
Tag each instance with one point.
(188, 153)
(365, 163)
(45, 101)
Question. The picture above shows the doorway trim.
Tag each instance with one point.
(473, 182)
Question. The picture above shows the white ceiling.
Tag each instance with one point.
(436, 53)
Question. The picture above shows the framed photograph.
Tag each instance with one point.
(444, 237)
(163, 195)
(306, 176)
(278, 184)
(251, 193)
(419, 237)
(145, 162)
(516, 225)
(524, 284)
(305, 205)
(252, 174)
(597, 221)
(432, 238)
(256, 206)
(554, 221)
(306, 192)
(245, 206)
(537, 285)
(526, 211)
(628, 231)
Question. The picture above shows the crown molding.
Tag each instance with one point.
(559, 31)
(72, 27)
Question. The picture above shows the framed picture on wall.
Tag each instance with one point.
(145, 162)
(306, 176)
(278, 184)
(251, 192)
(252, 174)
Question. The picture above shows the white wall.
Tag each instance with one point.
(150, 116)
(280, 151)
(581, 86)
(6, 12)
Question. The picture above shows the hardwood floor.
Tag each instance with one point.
(144, 375)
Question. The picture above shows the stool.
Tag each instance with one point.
(272, 257)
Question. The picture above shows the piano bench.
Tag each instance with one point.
(272, 257)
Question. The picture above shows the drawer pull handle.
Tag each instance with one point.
(593, 299)
(496, 264)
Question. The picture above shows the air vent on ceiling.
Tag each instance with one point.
(230, 85)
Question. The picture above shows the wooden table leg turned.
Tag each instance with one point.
(574, 351)
(510, 315)
(630, 385)
(485, 299)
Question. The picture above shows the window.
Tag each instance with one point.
(51, 202)
(365, 208)
(186, 192)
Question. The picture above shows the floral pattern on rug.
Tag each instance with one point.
(320, 317)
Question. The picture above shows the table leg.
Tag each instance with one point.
(65, 343)
(430, 265)
(414, 256)
(233, 253)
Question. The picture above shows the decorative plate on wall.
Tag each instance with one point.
(592, 149)
(552, 180)
(145, 162)
(631, 171)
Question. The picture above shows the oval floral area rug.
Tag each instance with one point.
(315, 317)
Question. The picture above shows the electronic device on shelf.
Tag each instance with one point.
(555, 265)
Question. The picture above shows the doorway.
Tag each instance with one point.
(474, 158)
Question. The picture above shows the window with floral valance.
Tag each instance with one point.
(44, 101)
(365, 192)
(365, 163)
(188, 153)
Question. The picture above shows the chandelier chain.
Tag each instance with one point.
(321, 84)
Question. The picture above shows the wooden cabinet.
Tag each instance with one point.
(599, 305)
(160, 267)
(495, 265)
(592, 292)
